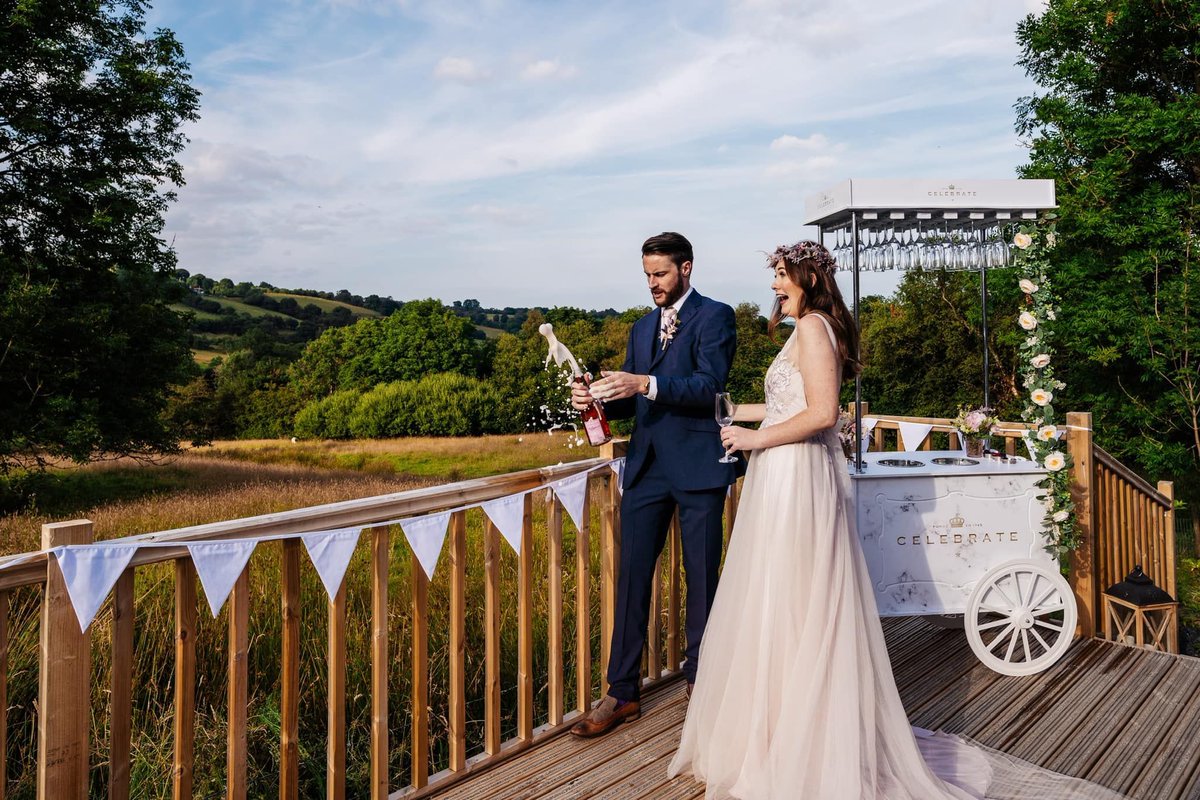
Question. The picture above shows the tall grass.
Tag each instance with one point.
(206, 487)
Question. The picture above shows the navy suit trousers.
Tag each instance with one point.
(646, 510)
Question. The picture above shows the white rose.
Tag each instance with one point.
(1040, 360)
(1028, 286)
(1055, 461)
(1047, 432)
(1041, 397)
(1028, 321)
(1061, 516)
(1022, 240)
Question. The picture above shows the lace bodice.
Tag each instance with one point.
(784, 384)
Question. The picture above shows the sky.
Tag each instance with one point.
(519, 152)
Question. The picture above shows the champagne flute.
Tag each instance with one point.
(725, 409)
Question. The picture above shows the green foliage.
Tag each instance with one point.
(755, 351)
(90, 117)
(923, 347)
(1118, 127)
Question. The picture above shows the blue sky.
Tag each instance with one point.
(519, 152)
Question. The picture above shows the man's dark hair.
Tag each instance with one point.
(670, 244)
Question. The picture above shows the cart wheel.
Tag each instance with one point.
(1021, 618)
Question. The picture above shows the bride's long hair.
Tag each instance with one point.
(810, 266)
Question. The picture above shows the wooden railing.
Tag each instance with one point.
(1121, 518)
(64, 669)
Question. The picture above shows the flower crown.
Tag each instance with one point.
(806, 249)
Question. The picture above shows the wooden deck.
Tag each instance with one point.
(1125, 718)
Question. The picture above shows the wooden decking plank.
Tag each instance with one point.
(632, 774)
(1095, 734)
(1172, 771)
(937, 669)
(561, 758)
(952, 697)
(1162, 712)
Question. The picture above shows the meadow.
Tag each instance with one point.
(237, 479)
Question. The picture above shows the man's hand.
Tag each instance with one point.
(617, 385)
(581, 398)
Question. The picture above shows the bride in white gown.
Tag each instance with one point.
(795, 699)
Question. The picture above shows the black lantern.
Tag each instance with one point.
(1136, 612)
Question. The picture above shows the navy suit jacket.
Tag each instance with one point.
(679, 425)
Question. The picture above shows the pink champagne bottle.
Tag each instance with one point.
(595, 423)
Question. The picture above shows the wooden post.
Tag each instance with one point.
(239, 687)
(64, 696)
(1167, 490)
(673, 595)
(653, 651)
(120, 709)
(420, 674)
(491, 646)
(1083, 558)
(380, 546)
(554, 610)
(335, 747)
(610, 548)
(185, 677)
(3, 695)
(289, 678)
(458, 641)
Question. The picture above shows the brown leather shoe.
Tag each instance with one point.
(606, 716)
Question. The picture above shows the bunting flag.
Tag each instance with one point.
(330, 553)
(571, 492)
(912, 434)
(89, 572)
(618, 467)
(426, 535)
(218, 564)
(507, 513)
(868, 425)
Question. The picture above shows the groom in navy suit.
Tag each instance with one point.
(676, 361)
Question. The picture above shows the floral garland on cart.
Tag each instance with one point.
(1032, 243)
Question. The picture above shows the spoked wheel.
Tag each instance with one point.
(1021, 618)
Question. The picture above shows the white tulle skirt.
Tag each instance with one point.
(795, 697)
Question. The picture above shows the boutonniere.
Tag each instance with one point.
(668, 333)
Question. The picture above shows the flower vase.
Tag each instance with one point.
(974, 446)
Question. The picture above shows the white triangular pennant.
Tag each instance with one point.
(89, 572)
(618, 467)
(868, 425)
(507, 514)
(218, 564)
(571, 493)
(330, 553)
(912, 434)
(426, 535)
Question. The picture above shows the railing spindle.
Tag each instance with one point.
(380, 546)
(525, 625)
(4, 695)
(335, 747)
(458, 641)
(610, 545)
(289, 678)
(583, 612)
(554, 610)
(491, 590)
(673, 595)
(1167, 489)
(420, 674)
(654, 626)
(185, 677)
(120, 725)
(239, 687)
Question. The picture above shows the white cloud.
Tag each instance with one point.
(545, 68)
(816, 141)
(459, 69)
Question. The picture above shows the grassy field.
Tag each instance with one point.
(323, 304)
(238, 479)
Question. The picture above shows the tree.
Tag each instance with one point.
(90, 116)
(1118, 127)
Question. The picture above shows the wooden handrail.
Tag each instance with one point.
(1140, 483)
